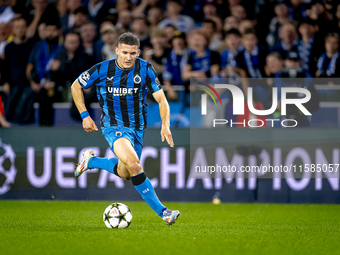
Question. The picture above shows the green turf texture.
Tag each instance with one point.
(60, 227)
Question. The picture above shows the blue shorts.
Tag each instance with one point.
(111, 135)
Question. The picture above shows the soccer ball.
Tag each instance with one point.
(117, 215)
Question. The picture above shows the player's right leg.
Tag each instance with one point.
(112, 165)
(84, 163)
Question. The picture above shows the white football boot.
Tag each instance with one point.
(170, 217)
(83, 165)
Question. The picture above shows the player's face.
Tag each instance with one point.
(127, 55)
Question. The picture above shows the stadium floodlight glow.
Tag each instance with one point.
(238, 100)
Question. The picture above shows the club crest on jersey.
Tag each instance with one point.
(137, 79)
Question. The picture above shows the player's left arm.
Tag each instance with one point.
(156, 89)
(165, 116)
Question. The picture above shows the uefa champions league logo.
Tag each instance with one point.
(8, 173)
(86, 76)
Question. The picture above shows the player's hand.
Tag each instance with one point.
(89, 125)
(166, 134)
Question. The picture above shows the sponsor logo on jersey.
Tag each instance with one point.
(122, 91)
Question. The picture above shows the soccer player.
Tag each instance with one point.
(121, 85)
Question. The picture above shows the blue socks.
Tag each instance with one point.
(144, 187)
(107, 164)
(141, 182)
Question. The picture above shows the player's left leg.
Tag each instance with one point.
(129, 156)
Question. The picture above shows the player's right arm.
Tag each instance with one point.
(78, 98)
(87, 79)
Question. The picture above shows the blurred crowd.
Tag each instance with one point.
(45, 45)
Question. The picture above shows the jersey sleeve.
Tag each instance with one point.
(87, 78)
(152, 83)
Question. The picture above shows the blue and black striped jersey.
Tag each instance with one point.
(122, 92)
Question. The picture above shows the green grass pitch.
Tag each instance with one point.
(60, 227)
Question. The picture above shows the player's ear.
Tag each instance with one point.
(138, 52)
(117, 51)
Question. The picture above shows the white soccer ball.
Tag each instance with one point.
(117, 215)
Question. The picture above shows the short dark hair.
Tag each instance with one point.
(129, 39)
(233, 31)
(275, 54)
(94, 25)
(179, 2)
(210, 22)
(141, 17)
(308, 21)
(172, 26)
(51, 22)
(82, 10)
(250, 31)
(72, 33)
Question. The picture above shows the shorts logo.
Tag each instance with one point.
(137, 79)
(86, 76)
(118, 133)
